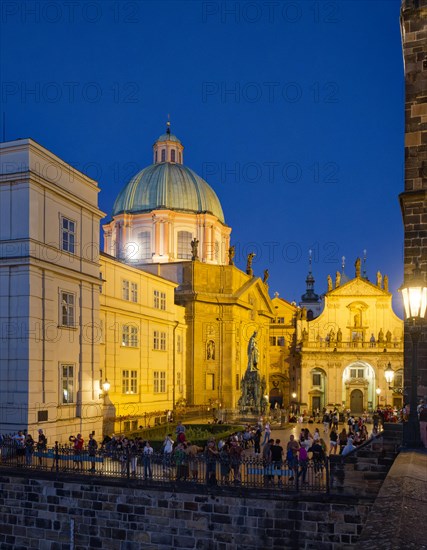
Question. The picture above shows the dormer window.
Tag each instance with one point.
(173, 155)
(163, 155)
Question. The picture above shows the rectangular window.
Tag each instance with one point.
(159, 300)
(178, 343)
(125, 290)
(156, 302)
(67, 384)
(184, 245)
(67, 309)
(272, 340)
(316, 379)
(210, 381)
(129, 381)
(129, 336)
(352, 373)
(68, 235)
(159, 380)
(281, 341)
(134, 292)
(178, 382)
(163, 301)
(159, 340)
(360, 373)
(281, 320)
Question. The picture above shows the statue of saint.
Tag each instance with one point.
(266, 276)
(386, 283)
(339, 335)
(231, 254)
(379, 279)
(381, 336)
(210, 350)
(253, 353)
(304, 314)
(194, 249)
(332, 335)
(337, 279)
(329, 283)
(251, 256)
(357, 265)
(388, 337)
(304, 335)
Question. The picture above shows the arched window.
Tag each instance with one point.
(173, 155)
(155, 156)
(310, 315)
(144, 245)
(163, 155)
(180, 158)
(184, 245)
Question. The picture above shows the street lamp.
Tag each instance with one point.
(389, 377)
(378, 391)
(414, 293)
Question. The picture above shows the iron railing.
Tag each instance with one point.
(250, 471)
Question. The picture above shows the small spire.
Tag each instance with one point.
(309, 260)
(343, 263)
(168, 125)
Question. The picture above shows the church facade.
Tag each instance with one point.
(345, 351)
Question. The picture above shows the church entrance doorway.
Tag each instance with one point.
(276, 396)
(356, 401)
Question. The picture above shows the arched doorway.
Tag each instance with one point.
(356, 401)
(276, 396)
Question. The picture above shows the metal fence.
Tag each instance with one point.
(250, 471)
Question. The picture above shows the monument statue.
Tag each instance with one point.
(337, 279)
(329, 283)
(253, 353)
(379, 279)
(194, 249)
(339, 336)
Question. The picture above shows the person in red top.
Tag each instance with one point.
(78, 449)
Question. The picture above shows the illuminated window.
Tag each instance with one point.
(130, 336)
(67, 316)
(67, 384)
(129, 381)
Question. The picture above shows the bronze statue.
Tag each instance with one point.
(194, 249)
(253, 353)
(231, 254)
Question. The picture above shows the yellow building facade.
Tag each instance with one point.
(142, 347)
(345, 351)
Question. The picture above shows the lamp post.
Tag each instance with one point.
(378, 391)
(389, 377)
(414, 293)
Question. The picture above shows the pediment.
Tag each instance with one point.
(257, 289)
(357, 287)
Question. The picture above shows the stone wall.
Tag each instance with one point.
(48, 514)
(414, 198)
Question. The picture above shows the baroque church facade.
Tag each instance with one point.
(108, 342)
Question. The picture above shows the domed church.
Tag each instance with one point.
(165, 207)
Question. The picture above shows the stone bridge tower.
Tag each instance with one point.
(413, 200)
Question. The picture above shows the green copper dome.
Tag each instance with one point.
(167, 185)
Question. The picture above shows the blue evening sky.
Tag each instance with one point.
(292, 111)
